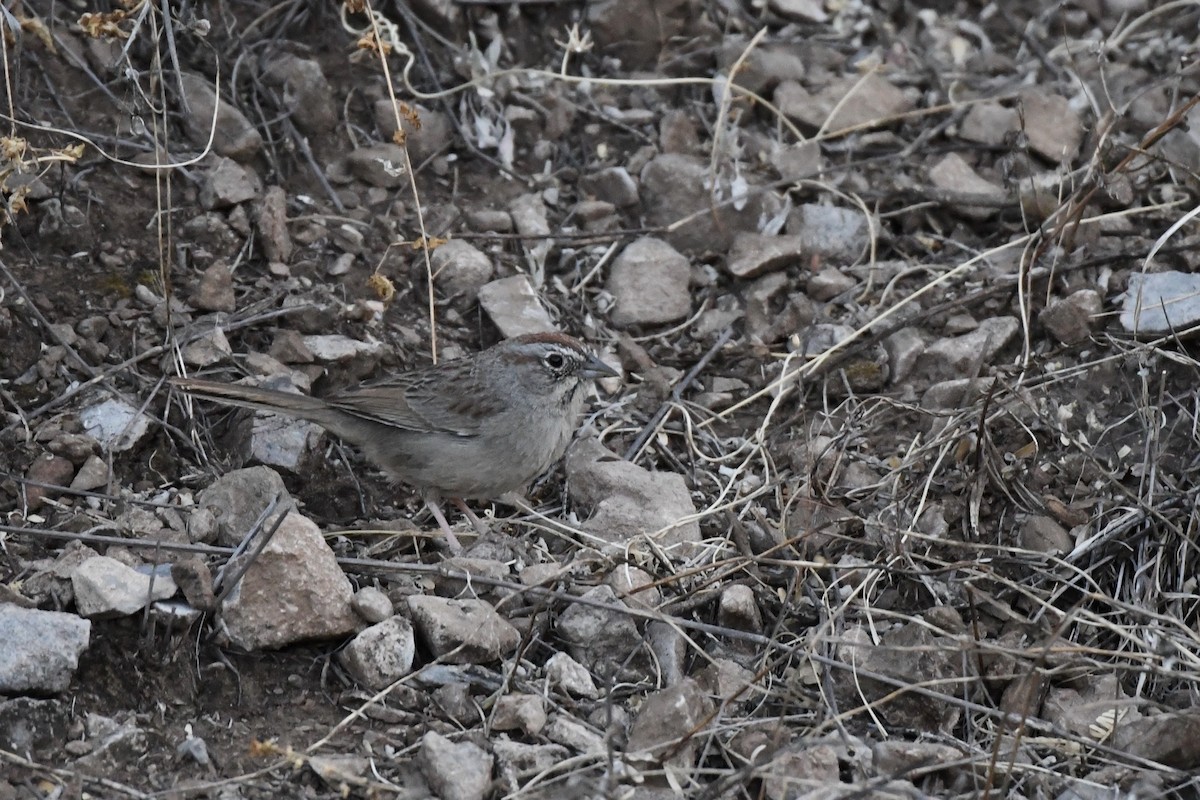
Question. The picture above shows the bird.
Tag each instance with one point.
(472, 428)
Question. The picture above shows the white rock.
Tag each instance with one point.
(117, 425)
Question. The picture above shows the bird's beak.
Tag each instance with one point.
(595, 368)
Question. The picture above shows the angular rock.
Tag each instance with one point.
(1158, 303)
(958, 356)
(635, 31)
(738, 609)
(1043, 534)
(282, 442)
(227, 183)
(28, 724)
(575, 735)
(382, 654)
(1071, 319)
(294, 591)
(896, 757)
(729, 682)
(830, 231)
(828, 284)
(307, 95)
(514, 308)
(953, 174)
(613, 185)
(763, 67)
(1172, 739)
(666, 721)
(427, 132)
(333, 348)
(207, 348)
(989, 123)
(117, 425)
(799, 10)
(50, 470)
(675, 187)
(602, 639)
(797, 770)
(271, 225)
(795, 162)
(381, 165)
(455, 771)
(523, 712)
(572, 677)
(859, 101)
(194, 579)
(461, 268)
(238, 498)
(528, 213)
(94, 474)
(234, 135)
(104, 587)
(649, 284)
(528, 758)
(627, 500)
(214, 292)
(752, 254)
(462, 631)
(41, 649)
(1054, 129)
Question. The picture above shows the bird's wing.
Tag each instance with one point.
(420, 403)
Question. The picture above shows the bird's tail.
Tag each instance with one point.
(296, 405)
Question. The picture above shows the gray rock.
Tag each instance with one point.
(634, 30)
(567, 674)
(528, 213)
(461, 268)
(227, 183)
(234, 136)
(1071, 319)
(798, 769)
(903, 348)
(830, 231)
(628, 500)
(281, 441)
(523, 712)
(1158, 303)
(573, 734)
(897, 757)
(1043, 534)
(514, 308)
(41, 649)
(828, 283)
(649, 284)
(307, 95)
(797, 161)
(738, 609)
(214, 291)
(612, 185)
(381, 165)
(729, 682)
(271, 225)
(111, 740)
(465, 631)
(859, 100)
(489, 220)
(94, 474)
(104, 587)
(114, 423)
(195, 580)
(909, 655)
(435, 133)
(333, 348)
(455, 771)
(1172, 739)
(382, 654)
(50, 470)
(209, 347)
(799, 10)
(238, 498)
(527, 759)
(953, 174)
(676, 186)
(752, 254)
(989, 123)
(959, 356)
(662, 732)
(28, 724)
(372, 605)
(764, 66)
(602, 639)
(294, 591)
(1054, 130)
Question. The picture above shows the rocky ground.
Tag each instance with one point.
(896, 495)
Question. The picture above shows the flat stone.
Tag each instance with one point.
(567, 674)
(427, 131)
(799, 10)
(381, 165)
(94, 474)
(214, 291)
(663, 730)
(859, 101)
(627, 500)
(238, 498)
(955, 357)
(753, 254)
(234, 135)
(649, 284)
(455, 771)
(523, 712)
(830, 231)
(104, 587)
(514, 308)
(953, 174)
(602, 639)
(1054, 130)
(465, 631)
(307, 95)
(117, 425)
(1071, 319)
(41, 649)
(1158, 303)
(613, 185)
(989, 123)
(227, 183)
(461, 268)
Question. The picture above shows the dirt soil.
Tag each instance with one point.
(1037, 521)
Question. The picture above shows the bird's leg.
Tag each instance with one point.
(431, 502)
(476, 522)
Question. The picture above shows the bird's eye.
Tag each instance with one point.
(555, 361)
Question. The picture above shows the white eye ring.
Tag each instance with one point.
(555, 361)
